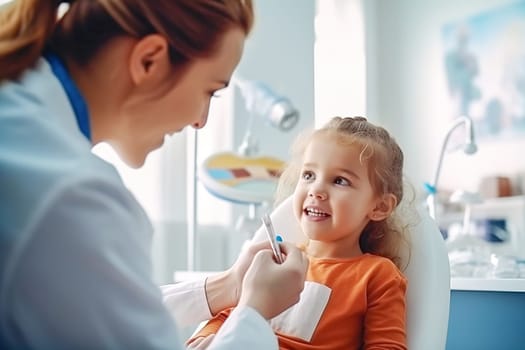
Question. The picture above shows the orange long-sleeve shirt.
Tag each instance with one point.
(356, 303)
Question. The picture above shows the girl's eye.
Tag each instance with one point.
(307, 175)
(342, 181)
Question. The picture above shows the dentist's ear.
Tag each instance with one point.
(149, 59)
(384, 207)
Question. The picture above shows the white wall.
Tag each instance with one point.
(407, 89)
(340, 60)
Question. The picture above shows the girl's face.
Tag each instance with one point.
(185, 103)
(333, 199)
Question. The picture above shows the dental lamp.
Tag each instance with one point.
(260, 101)
(469, 147)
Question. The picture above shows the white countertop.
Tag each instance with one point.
(488, 284)
(456, 283)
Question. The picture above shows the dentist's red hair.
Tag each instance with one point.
(193, 28)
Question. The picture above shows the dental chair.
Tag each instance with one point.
(428, 274)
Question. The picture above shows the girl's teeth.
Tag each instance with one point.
(315, 212)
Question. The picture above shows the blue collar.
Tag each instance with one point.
(75, 97)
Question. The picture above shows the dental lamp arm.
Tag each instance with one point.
(469, 148)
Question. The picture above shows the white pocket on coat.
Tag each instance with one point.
(301, 319)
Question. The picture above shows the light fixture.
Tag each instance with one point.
(263, 101)
(260, 101)
(469, 147)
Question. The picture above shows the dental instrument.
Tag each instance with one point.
(272, 237)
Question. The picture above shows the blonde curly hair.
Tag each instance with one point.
(384, 159)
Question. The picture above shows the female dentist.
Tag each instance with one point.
(75, 265)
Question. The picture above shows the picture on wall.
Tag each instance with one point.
(484, 63)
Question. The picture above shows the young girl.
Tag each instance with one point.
(348, 179)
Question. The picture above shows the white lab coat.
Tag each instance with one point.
(75, 267)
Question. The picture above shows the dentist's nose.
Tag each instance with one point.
(200, 124)
(204, 118)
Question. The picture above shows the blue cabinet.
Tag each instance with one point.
(487, 315)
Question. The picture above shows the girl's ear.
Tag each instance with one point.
(384, 207)
(149, 59)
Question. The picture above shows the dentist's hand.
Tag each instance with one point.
(269, 287)
(223, 290)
